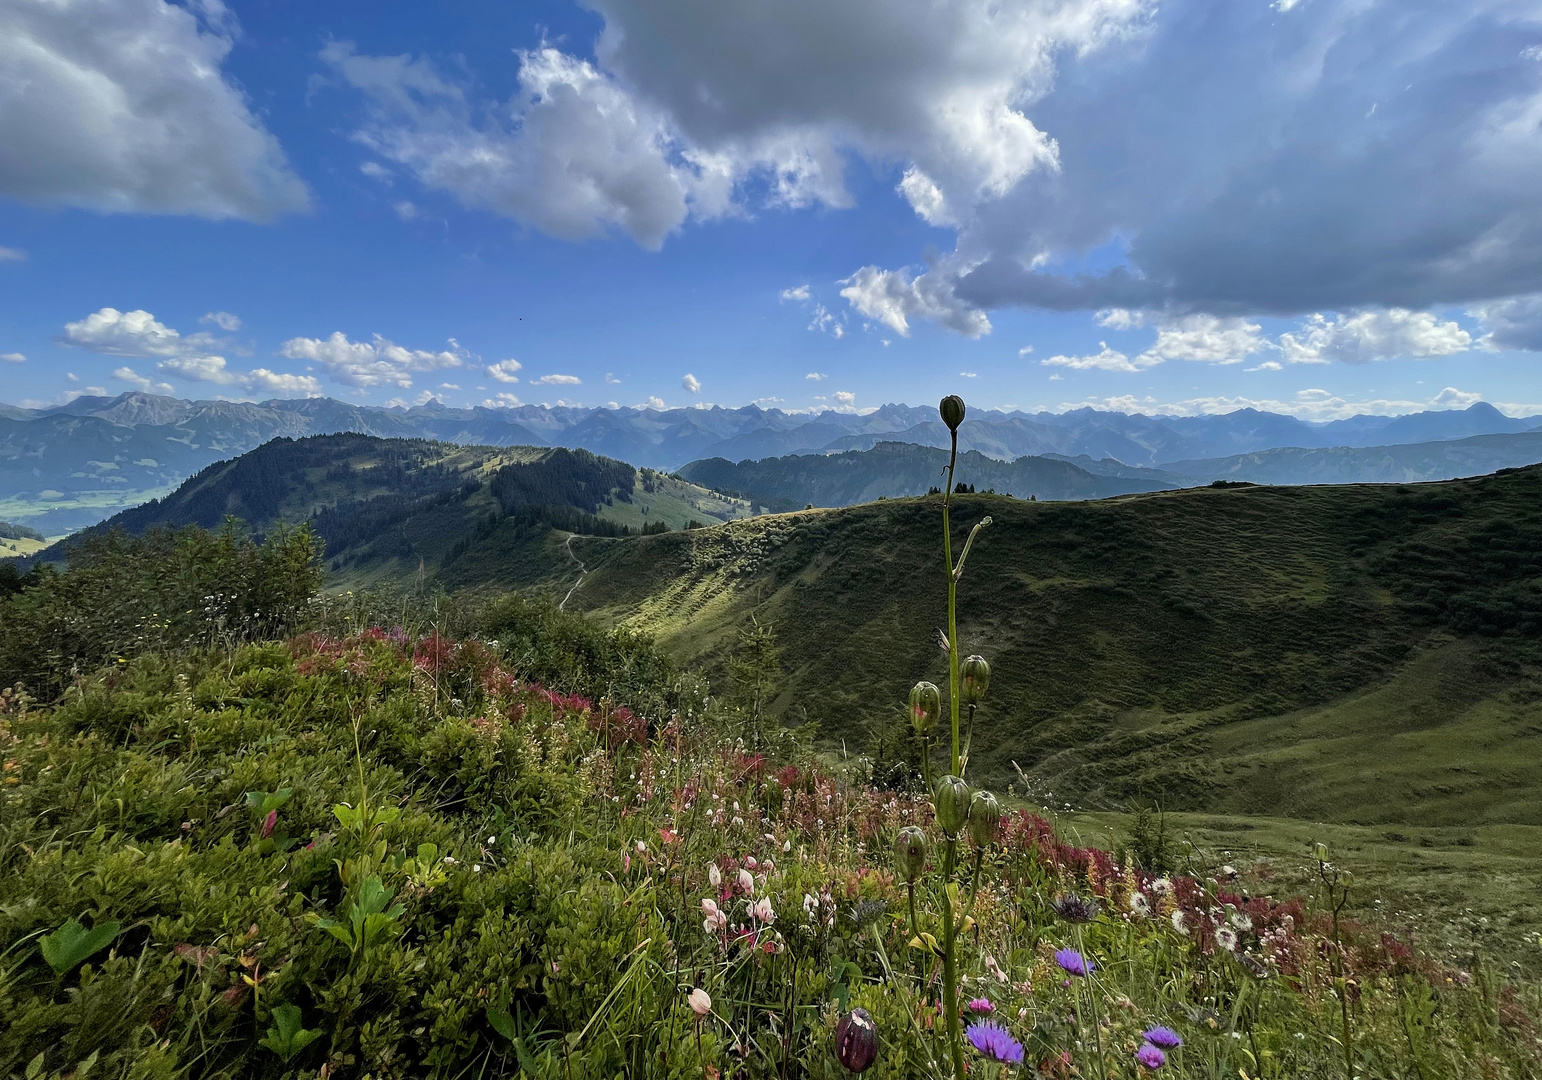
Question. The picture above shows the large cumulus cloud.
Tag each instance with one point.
(1338, 154)
(121, 105)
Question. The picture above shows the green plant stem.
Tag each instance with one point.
(968, 741)
(950, 962)
(947, 554)
(1092, 1003)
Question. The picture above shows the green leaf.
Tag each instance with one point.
(72, 943)
(502, 1022)
(35, 1066)
(287, 1037)
(265, 802)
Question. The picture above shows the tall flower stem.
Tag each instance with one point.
(947, 553)
(1092, 1003)
(950, 959)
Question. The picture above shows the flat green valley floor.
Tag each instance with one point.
(1457, 891)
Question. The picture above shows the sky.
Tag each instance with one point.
(1319, 207)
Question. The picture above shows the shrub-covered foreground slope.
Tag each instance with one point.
(385, 856)
(367, 849)
(1357, 653)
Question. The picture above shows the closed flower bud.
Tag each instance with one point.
(974, 676)
(701, 1002)
(951, 798)
(910, 853)
(925, 707)
(856, 1041)
(951, 409)
(984, 819)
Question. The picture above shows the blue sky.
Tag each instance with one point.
(1315, 206)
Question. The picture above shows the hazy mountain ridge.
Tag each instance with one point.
(68, 466)
(896, 470)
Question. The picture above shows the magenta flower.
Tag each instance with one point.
(1164, 1037)
(1150, 1057)
(1074, 963)
(981, 1005)
(993, 1041)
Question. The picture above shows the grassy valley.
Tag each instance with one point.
(1337, 653)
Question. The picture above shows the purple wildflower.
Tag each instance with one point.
(981, 1005)
(993, 1041)
(1074, 963)
(1150, 1057)
(1164, 1037)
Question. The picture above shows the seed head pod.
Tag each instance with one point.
(984, 819)
(856, 1041)
(910, 853)
(925, 707)
(974, 676)
(951, 409)
(951, 798)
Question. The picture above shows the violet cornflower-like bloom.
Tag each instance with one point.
(993, 1041)
(1074, 963)
(981, 1005)
(1150, 1057)
(1164, 1037)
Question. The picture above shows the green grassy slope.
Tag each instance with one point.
(1360, 653)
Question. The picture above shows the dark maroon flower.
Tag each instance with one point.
(856, 1041)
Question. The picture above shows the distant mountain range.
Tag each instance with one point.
(895, 469)
(70, 466)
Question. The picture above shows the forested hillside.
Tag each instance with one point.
(395, 508)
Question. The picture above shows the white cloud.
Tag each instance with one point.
(222, 319)
(1026, 350)
(1514, 323)
(210, 369)
(405, 210)
(140, 382)
(691, 384)
(577, 157)
(893, 298)
(558, 380)
(611, 380)
(925, 197)
(503, 371)
(121, 106)
(277, 382)
(129, 333)
(653, 403)
(376, 171)
(798, 292)
(845, 397)
(13, 358)
(1209, 339)
(1310, 404)
(969, 374)
(1365, 336)
(826, 322)
(817, 376)
(368, 364)
(10, 254)
(790, 88)
(1105, 360)
(502, 401)
(141, 334)
(613, 404)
